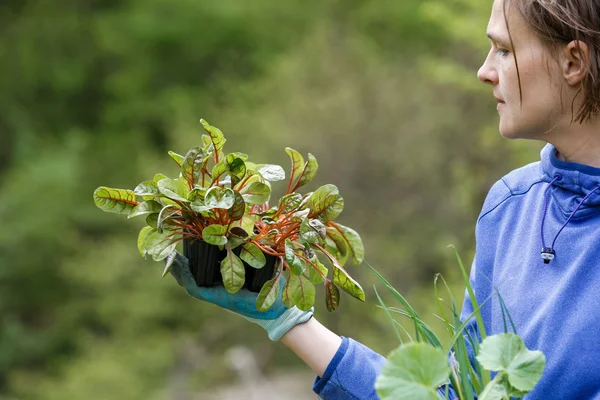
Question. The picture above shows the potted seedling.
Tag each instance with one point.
(218, 206)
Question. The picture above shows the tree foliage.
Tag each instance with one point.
(381, 92)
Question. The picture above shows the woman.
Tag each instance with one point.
(544, 68)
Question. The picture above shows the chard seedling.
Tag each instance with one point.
(222, 199)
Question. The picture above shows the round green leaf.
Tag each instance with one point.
(217, 197)
(507, 353)
(413, 371)
(252, 255)
(237, 210)
(159, 246)
(290, 202)
(145, 208)
(272, 173)
(174, 189)
(325, 203)
(215, 235)
(353, 240)
(145, 233)
(147, 188)
(313, 231)
(256, 193)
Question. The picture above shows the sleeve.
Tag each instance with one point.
(351, 373)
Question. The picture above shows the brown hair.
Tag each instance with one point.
(560, 22)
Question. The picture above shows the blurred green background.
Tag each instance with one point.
(95, 92)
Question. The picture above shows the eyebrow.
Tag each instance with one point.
(495, 38)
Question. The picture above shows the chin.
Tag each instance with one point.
(509, 133)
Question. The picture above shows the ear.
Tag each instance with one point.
(576, 62)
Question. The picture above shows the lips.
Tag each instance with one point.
(499, 100)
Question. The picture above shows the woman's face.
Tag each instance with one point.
(542, 106)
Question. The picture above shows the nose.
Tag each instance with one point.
(487, 73)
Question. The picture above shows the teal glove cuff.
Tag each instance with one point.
(279, 326)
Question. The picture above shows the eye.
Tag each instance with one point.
(501, 52)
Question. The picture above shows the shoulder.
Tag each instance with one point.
(513, 185)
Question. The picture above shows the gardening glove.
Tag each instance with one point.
(277, 320)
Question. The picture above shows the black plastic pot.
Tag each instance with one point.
(205, 265)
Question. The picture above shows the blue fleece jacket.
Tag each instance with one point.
(554, 305)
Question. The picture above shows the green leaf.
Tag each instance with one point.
(215, 235)
(246, 223)
(302, 292)
(297, 165)
(120, 201)
(352, 238)
(286, 295)
(325, 203)
(233, 272)
(169, 261)
(413, 371)
(146, 188)
(312, 271)
(145, 233)
(272, 173)
(178, 158)
(236, 168)
(145, 208)
(337, 245)
(237, 210)
(252, 255)
(507, 353)
(296, 264)
(217, 197)
(197, 193)
(233, 165)
(159, 177)
(313, 231)
(268, 294)
(310, 170)
(497, 389)
(159, 246)
(290, 202)
(256, 193)
(164, 215)
(237, 236)
(191, 166)
(152, 220)
(174, 189)
(332, 296)
(216, 136)
(347, 284)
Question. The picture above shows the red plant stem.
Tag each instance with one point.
(311, 263)
(242, 183)
(331, 258)
(267, 250)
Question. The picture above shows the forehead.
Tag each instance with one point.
(501, 14)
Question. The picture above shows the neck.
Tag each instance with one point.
(579, 143)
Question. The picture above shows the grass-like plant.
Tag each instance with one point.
(422, 368)
(223, 200)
